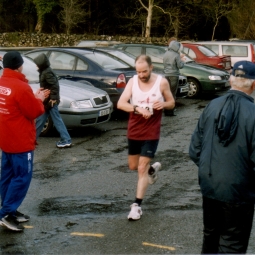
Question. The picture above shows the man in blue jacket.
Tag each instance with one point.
(223, 147)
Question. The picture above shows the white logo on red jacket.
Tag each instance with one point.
(5, 91)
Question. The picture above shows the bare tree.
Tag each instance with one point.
(42, 7)
(149, 9)
(216, 9)
(245, 13)
(72, 14)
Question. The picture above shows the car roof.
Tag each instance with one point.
(142, 44)
(223, 42)
(96, 43)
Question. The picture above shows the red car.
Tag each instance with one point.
(206, 56)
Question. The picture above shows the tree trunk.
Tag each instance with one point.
(214, 28)
(39, 25)
(149, 17)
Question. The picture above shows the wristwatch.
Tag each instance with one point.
(135, 106)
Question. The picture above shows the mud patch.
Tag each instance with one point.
(79, 205)
(171, 157)
(120, 149)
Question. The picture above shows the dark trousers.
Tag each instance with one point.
(227, 227)
(173, 83)
(16, 175)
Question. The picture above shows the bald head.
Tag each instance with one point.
(143, 67)
(143, 58)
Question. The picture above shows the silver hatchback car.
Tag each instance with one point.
(81, 104)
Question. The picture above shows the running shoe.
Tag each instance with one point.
(64, 144)
(22, 217)
(136, 212)
(153, 177)
(11, 223)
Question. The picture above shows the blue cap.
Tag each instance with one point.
(245, 69)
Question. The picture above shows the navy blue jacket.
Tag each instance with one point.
(223, 147)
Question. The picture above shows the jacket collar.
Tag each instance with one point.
(241, 93)
(7, 72)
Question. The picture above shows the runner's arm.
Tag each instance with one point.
(169, 102)
(123, 103)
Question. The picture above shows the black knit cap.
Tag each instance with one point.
(12, 60)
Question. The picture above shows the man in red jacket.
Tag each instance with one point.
(19, 107)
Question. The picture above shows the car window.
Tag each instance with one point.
(118, 47)
(185, 50)
(188, 59)
(106, 61)
(126, 57)
(33, 55)
(81, 65)
(134, 50)
(191, 53)
(155, 54)
(30, 70)
(61, 61)
(214, 48)
(235, 50)
(206, 51)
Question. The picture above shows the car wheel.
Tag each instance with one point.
(48, 127)
(194, 88)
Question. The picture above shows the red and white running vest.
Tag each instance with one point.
(140, 128)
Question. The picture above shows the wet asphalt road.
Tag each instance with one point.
(79, 198)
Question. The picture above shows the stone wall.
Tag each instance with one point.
(18, 39)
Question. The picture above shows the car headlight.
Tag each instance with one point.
(214, 77)
(81, 104)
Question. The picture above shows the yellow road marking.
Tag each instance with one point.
(86, 234)
(160, 246)
(25, 226)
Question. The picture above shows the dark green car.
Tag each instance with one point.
(202, 78)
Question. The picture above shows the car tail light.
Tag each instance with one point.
(121, 81)
(252, 53)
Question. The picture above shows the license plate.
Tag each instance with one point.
(104, 112)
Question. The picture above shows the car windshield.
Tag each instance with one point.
(206, 51)
(106, 61)
(30, 70)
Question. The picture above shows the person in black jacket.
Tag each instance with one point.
(49, 80)
(223, 147)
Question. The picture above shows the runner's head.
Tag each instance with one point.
(143, 67)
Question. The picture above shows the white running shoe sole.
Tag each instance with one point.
(11, 227)
(135, 213)
(154, 177)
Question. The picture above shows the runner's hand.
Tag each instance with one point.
(158, 105)
(146, 113)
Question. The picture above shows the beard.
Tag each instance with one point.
(145, 79)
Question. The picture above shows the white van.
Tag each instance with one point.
(237, 50)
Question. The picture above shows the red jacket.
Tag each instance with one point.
(18, 110)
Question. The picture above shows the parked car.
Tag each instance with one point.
(80, 104)
(183, 87)
(102, 71)
(201, 78)
(237, 50)
(96, 43)
(203, 55)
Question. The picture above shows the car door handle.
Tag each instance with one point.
(68, 76)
